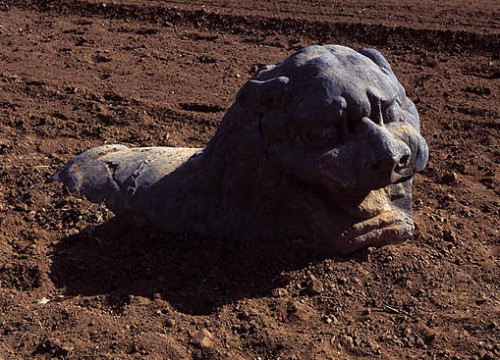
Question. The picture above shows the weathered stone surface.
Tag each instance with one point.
(323, 145)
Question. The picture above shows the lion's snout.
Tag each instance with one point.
(387, 159)
(375, 156)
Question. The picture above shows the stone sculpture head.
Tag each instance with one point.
(323, 145)
(337, 123)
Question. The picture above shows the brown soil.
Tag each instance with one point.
(77, 283)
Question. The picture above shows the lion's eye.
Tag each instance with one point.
(393, 113)
(318, 136)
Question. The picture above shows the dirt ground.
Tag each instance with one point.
(78, 283)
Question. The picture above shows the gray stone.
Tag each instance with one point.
(322, 146)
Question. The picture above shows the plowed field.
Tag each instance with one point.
(78, 283)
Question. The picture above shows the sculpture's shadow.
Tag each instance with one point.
(196, 275)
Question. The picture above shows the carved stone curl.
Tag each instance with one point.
(323, 145)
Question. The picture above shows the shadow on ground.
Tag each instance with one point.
(196, 275)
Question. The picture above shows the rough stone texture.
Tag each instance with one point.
(323, 145)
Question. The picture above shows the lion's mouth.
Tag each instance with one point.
(368, 204)
(364, 206)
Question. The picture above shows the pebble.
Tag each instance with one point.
(202, 339)
(449, 197)
(481, 300)
(313, 285)
(43, 301)
(279, 292)
(170, 323)
(140, 300)
(329, 320)
(449, 235)
(450, 178)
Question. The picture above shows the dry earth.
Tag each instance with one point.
(77, 283)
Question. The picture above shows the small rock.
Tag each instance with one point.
(449, 197)
(481, 300)
(140, 300)
(202, 338)
(342, 280)
(449, 235)
(329, 320)
(72, 232)
(419, 342)
(313, 285)
(347, 341)
(54, 347)
(371, 250)
(372, 344)
(71, 90)
(43, 301)
(430, 337)
(279, 292)
(68, 347)
(450, 178)
(357, 281)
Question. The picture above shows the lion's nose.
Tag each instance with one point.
(403, 162)
(390, 157)
(393, 166)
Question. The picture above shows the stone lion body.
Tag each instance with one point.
(323, 145)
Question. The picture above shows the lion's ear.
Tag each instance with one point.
(377, 58)
(265, 95)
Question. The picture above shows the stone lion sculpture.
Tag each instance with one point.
(323, 145)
